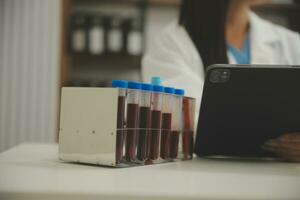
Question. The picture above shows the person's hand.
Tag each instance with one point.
(286, 146)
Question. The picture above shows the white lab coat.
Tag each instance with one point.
(175, 58)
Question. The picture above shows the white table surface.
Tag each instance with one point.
(32, 171)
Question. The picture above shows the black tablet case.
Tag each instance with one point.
(255, 104)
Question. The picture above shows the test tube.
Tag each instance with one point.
(166, 122)
(154, 142)
(122, 86)
(145, 121)
(132, 118)
(188, 127)
(176, 123)
(156, 80)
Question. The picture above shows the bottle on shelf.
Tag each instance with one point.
(79, 33)
(135, 39)
(115, 36)
(96, 35)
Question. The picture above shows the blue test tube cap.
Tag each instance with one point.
(179, 92)
(158, 88)
(169, 90)
(119, 84)
(147, 87)
(156, 80)
(134, 85)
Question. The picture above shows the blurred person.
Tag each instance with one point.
(221, 31)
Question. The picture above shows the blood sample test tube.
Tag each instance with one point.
(167, 109)
(156, 113)
(120, 138)
(144, 121)
(132, 119)
(176, 123)
(188, 127)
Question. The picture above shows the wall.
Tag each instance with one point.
(29, 49)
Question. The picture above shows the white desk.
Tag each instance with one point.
(34, 172)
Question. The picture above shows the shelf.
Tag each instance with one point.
(170, 3)
(107, 2)
(166, 3)
(289, 11)
(279, 8)
(106, 61)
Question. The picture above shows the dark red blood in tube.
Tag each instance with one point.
(155, 134)
(186, 127)
(191, 143)
(174, 144)
(188, 133)
(187, 143)
(145, 117)
(165, 135)
(131, 135)
(120, 126)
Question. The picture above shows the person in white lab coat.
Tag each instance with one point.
(219, 31)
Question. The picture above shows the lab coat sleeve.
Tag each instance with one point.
(290, 45)
(297, 50)
(173, 58)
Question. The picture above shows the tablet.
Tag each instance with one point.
(245, 105)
